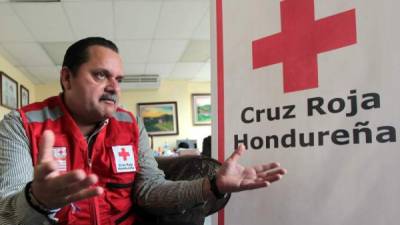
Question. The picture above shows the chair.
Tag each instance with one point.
(188, 167)
(206, 146)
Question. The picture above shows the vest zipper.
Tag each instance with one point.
(90, 163)
(92, 207)
(93, 202)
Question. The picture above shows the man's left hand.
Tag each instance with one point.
(233, 177)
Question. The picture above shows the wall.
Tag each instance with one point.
(17, 75)
(179, 91)
(46, 90)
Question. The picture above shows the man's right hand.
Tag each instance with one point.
(55, 190)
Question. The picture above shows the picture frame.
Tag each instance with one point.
(23, 95)
(159, 118)
(9, 91)
(201, 109)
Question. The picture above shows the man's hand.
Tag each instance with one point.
(233, 177)
(55, 190)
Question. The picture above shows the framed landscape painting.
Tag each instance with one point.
(9, 93)
(159, 118)
(201, 108)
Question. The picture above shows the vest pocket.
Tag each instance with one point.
(125, 219)
(118, 185)
(118, 196)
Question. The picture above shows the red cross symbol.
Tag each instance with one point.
(301, 39)
(124, 154)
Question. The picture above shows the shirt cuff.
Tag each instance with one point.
(30, 215)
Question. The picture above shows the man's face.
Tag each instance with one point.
(92, 93)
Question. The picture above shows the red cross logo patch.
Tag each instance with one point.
(124, 158)
(301, 39)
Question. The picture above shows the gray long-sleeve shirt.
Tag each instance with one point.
(151, 189)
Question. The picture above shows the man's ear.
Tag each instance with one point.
(65, 78)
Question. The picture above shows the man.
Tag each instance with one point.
(74, 158)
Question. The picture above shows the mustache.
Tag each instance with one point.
(109, 97)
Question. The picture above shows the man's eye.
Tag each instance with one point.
(100, 75)
(119, 80)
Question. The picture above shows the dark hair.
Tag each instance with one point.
(77, 53)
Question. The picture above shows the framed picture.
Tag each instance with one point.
(9, 93)
(201, 109)
(23, 95)
(159, 118)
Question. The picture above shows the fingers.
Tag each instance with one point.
(72, 182)
(274, 178)
(84, 194)
(66, 188)
(65, 180)
(280, 171)
(264, 177)
(237, 153)
(254, 184)
(45, 147)
(46, 166)
(263, 180)
(80, 185)
(46, 170)
(271, 176)
(265, 167)
(267, 170)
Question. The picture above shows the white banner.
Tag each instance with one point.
(312, 84)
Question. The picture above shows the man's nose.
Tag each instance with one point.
(113, 84)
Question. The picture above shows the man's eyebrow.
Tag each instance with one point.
(105, 71)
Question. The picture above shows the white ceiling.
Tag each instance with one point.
(166, 37)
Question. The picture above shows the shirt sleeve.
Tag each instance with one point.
(156, 194)
(16, 170)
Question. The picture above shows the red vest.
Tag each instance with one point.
(114, 159)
